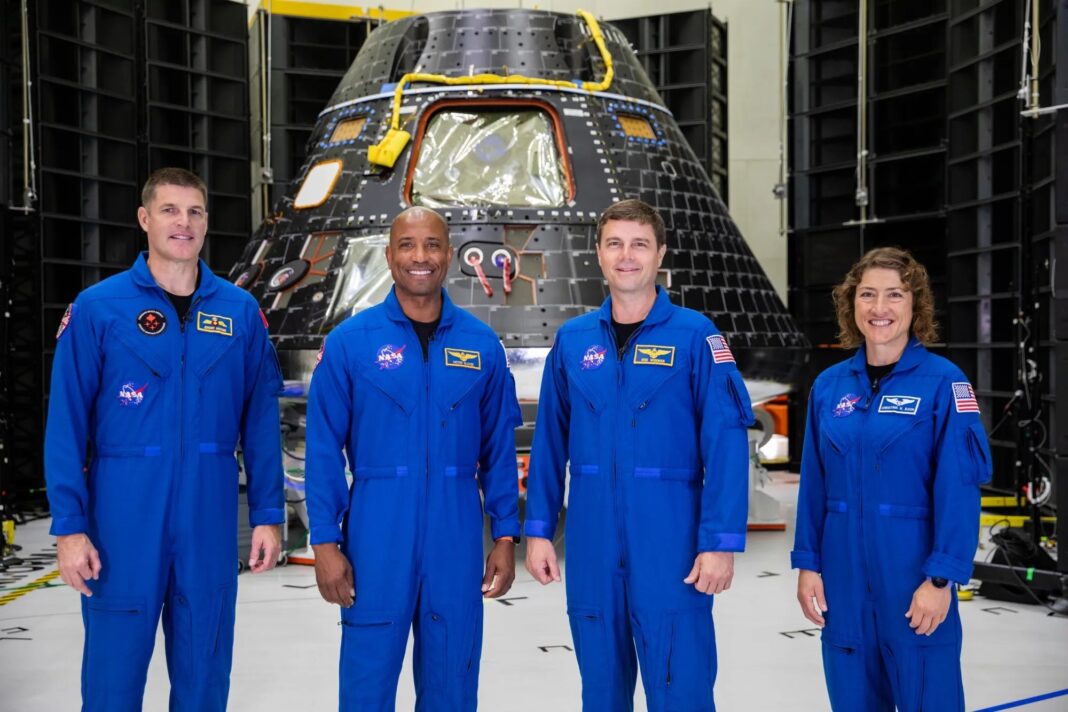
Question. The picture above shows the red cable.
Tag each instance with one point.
(482, 277)
(507, 275)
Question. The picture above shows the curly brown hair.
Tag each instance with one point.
(914, 279)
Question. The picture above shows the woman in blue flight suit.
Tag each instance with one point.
(888, 511)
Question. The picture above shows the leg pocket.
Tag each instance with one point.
(369, 665)
(118, 647)
(689, 670)
(942, 688)
(591, 646)
(925, 678)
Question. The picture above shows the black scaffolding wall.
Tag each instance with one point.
(120, 88)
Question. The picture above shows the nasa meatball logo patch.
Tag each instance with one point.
(151, 322)
(593, 358)
(131, 395)
(902, 405)
(390, 357)
(846, 406)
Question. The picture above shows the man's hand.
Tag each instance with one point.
(929, 608)
(809, 587)
(266, 548)
(712, 571)
(333, 573)
(541, 560)
(500, 569)
(78, 561)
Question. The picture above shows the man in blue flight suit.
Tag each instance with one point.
(644, 402)
(418, 394)
(889, 504)
(158, 372)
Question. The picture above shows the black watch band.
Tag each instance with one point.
(939, 582)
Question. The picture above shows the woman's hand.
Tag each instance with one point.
(929, 608)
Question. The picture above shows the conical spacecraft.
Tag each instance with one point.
(520, 127)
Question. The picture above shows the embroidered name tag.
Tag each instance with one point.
(648, 355)
(902, 405)
(462, 358)
(215, 324)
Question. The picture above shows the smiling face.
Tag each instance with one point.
(629, 256)
(418, 253)
(176, 221)
(883, 310)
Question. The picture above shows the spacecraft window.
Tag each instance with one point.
(490, 154)
(318, 184)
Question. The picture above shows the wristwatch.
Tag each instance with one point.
(939, 582)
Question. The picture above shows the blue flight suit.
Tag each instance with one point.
(420, 437)
(161, 405)
(659, 459)
(890, 496)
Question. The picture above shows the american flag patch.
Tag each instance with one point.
(964, 398)
(721, 353)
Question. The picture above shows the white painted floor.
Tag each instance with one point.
(287, 643)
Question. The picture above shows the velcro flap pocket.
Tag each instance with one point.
(379, 473)
(582, 470)
(668, 473)
(837, 505)
(978, 447)
(740, 396)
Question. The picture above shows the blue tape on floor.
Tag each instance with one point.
(1021, 703)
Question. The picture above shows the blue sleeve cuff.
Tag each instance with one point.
(721, 542)
(62, 526)
(948, 567)
(539, 528)
(259, 517)
(504, 527)
(805, 560)
(325, 534)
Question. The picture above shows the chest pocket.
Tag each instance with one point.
(462, 389)
(896, 432)
(836, 441)
(585, 391)
(131, 417)
(376, 388)
(214, 354)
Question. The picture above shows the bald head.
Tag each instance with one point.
(418, 255)
(418, 217)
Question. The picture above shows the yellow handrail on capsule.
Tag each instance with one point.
(387, 151)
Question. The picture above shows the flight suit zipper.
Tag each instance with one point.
(860, 478)
(617, 494)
